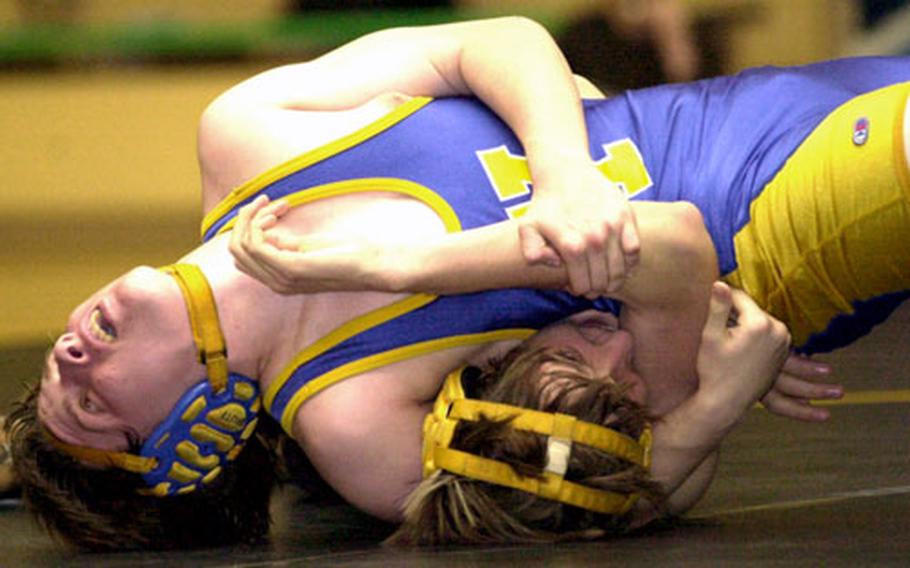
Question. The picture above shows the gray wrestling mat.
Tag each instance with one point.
(787, 494)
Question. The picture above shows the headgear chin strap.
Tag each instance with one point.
(209, 424)
(562, 430)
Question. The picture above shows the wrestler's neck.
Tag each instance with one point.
(252, 317)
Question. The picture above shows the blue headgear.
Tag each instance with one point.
(209, 424)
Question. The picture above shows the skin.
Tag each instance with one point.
(284, 112)
(98, 389)
(596, 337)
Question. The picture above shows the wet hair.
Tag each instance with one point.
(451, 509)
(99, 509)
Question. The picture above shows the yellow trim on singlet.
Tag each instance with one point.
(393, 185)
(377, 360)
(376, 317)
(340, 334)
(248, 189)
(437, 204)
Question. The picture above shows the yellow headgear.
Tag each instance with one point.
(209, 424)
(562, 430)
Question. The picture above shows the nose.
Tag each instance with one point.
(70, 351)
(617, 351)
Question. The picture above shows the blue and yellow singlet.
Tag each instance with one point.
(799, 173)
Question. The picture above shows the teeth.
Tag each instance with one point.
(99, 328)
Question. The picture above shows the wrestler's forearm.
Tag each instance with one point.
(511, 63)
(676, 263)
(471, 261)
(535, 93)
(684, 454)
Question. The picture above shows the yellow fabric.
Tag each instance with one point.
(549, 486)
(376, 317)
(104, 458)
(387, 358)
(451, 406)
(345, 331)
(365, 185)
(203, 312)
(830, 228)
(256, 184)
(547, 423)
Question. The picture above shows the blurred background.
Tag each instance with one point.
(99, 101)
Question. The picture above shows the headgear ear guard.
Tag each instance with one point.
(209, 424)
(562, 430)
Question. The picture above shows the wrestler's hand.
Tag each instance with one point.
(290, 264)
(579, 219)
(797, 386)
(741, 353)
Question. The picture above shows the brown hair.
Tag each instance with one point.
(448, 509)
(99, 509)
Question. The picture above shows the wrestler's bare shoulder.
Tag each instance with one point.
(238, 140)
(363, 434)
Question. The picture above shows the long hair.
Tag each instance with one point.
(450, 509)
(99, 509)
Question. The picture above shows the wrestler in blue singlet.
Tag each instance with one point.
(737, 147)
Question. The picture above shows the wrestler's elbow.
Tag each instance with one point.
(690, 240)
(674, 230)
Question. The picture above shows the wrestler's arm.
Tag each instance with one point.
(665, 299)
(512, 64)
(666, 302)
(737, 364)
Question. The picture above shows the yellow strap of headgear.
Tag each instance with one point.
(563, 430)
(104, 458)
(552, 424)
(549, 486)
(200, 303)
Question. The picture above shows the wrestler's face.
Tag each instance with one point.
(126, 357)
(602, 345)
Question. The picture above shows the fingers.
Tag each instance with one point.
(718, 312)
(255, 253)
(621, 247)
(535, 249)
(601, 257)
(793, 408)
(797, 386)
(757, 324)
(802, 366)
(631, 244)
(566, 243)
(588, 226)
(615, 273)
(594, 255)
(240, 233)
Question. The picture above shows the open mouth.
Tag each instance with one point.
(100, 328)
